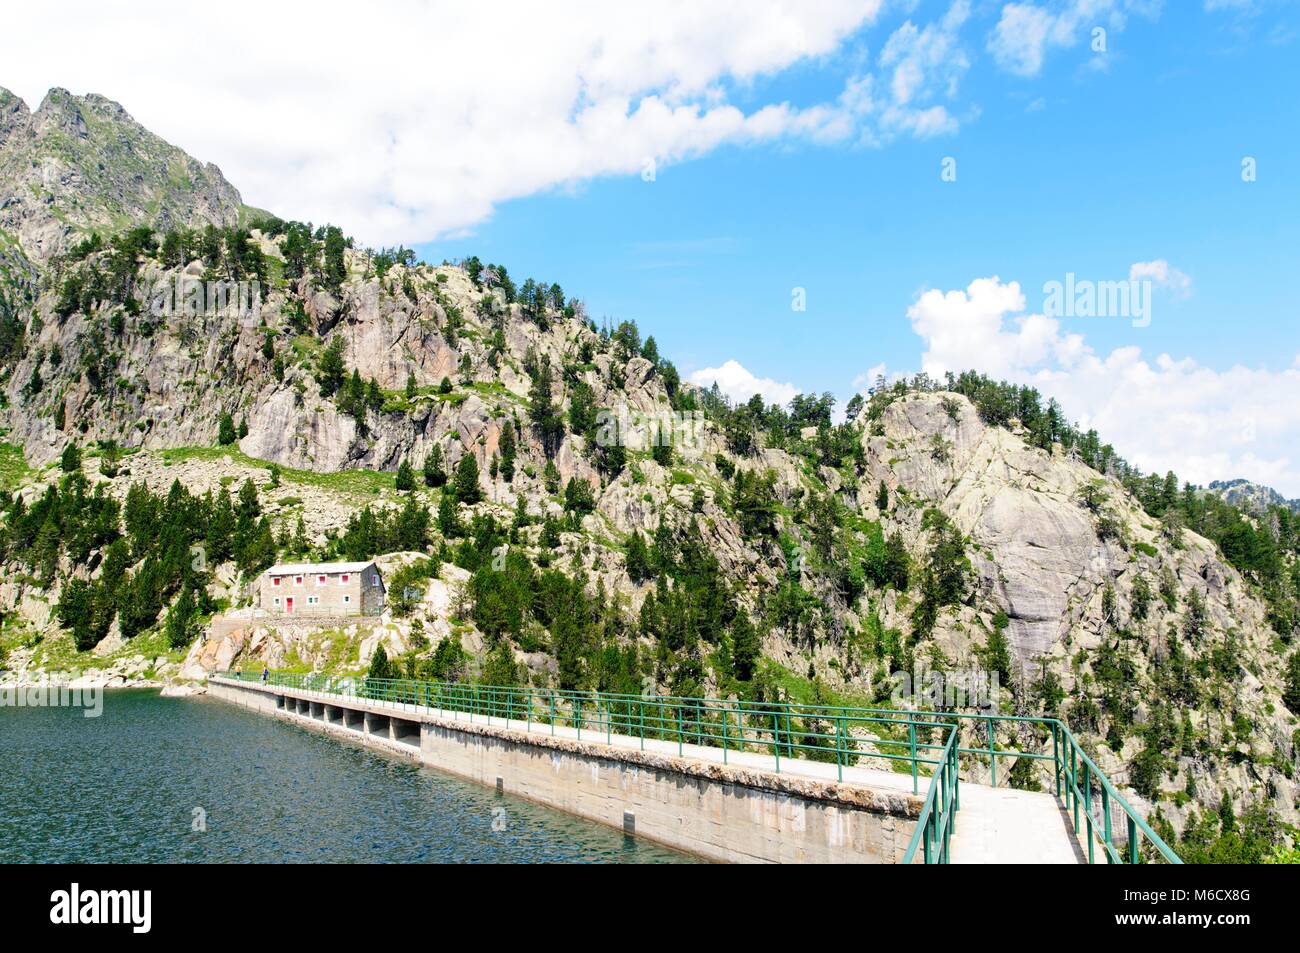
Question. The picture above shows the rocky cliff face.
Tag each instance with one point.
(1075, 580)
(81, 162)
(1142, 637)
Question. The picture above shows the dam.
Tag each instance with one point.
(730, 783)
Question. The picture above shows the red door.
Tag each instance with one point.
(288, 604)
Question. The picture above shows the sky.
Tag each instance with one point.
(794, 196)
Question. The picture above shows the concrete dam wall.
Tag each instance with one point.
(724, 812)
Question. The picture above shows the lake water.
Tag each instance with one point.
(132, 785)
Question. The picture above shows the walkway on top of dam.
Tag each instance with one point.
(995, 825)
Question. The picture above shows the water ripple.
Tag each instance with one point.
(122, 788)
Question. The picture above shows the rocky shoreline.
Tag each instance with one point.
(98, 679)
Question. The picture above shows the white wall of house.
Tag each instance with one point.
(322, 589)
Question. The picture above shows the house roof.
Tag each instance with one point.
(307, 569)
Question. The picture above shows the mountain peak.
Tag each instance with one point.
(82, 163)
(1250, 495)
(13, 113)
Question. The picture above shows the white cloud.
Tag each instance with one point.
(1020, 38)
(1025, 32)
(1162, 413)
(734, 380)
(416, 119)
(922, 58)
(1162, 275)
(865, 381)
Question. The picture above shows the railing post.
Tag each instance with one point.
(1074, 783)
(1056, 757)
(1133, 856)
(943, 796)
(1105, 821)
(993, 758)
(724, 732)
(911, 737)
(1087, 805)
(956, 773)
(640, 715)
(776, 740)
(839, 747)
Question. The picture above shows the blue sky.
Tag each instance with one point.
(1141, 161)
(797, 144)
(1076, 169)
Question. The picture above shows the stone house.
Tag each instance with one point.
(322, 589)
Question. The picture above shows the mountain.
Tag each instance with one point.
(495, 449)
(81, 162)
(1252, 496)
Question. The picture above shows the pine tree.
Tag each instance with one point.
(434, 474)
(180, 619)
(76, 612)
(521, 518)
(335, 267)
(448, 518)
(410, 384)
(582, 410)
(746, 646)
(405, 479)
(1291, 691)
(353, 398)
(882, 497)
(541, 408)
(996, 656)
(70, 461)
(466, 486)
(638, 558)
(226, 430)
(331, 371)
(221, 528)
(897, 563)
(578, 497)
(507, 449)
(380, 668)
(500, 668)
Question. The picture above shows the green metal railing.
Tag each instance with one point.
(907, 741)
(1073, 768)
(921, 744)
(1085, 793)
(935, 824)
